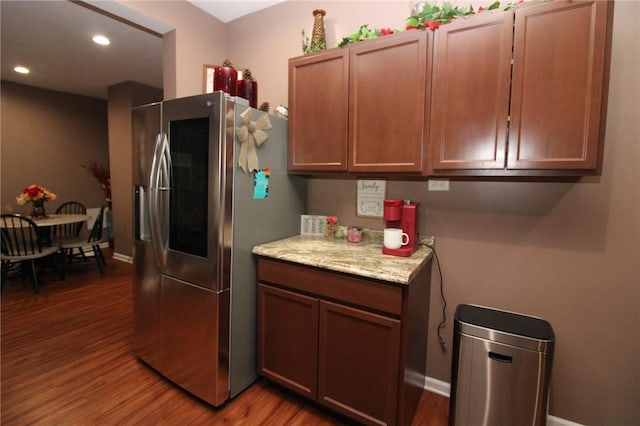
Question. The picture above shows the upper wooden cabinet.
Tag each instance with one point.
(471, 81)
(560, 83)
(552, 119)
(361, 108)
(318, 111)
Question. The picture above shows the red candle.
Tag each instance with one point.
(225, 79)
(248, 89)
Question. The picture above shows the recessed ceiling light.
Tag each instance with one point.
(102, 40)
(22, 70)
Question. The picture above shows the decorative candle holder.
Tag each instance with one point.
(354, 234)
(225, 78)
(248, 88)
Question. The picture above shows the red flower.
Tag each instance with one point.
(386, 31)
(480, 9)
(332, 220)
(431, 25)
(410, 27)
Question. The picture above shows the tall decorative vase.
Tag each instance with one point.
(38, 211)
(318, 39)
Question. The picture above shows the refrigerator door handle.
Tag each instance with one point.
(160, 182)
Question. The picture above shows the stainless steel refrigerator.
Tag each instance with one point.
(197, 216)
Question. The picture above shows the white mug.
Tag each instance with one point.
(394, 238)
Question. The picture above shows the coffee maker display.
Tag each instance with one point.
(402, 215)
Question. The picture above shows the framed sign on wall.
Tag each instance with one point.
(207, 78)
(371, 195)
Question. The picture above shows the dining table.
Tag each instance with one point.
(44, 224)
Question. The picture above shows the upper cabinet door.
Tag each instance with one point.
(470, 103)
(389, 82)
(559, 87)
(318, 108)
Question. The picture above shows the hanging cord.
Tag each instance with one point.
(443, 343)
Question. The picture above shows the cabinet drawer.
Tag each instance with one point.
(366, 293)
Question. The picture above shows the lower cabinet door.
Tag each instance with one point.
(358, 363)
(288, 339)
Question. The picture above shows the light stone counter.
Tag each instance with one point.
(364, 259)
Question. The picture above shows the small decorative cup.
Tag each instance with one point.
(354, 234)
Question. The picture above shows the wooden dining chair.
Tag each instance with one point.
(22, 246)
(75, 250)
(68, 230)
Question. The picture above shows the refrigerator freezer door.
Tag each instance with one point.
(195, 323)
(146, 306)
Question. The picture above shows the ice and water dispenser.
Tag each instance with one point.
(501, 368)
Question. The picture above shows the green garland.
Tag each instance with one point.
(364, 33)
(431, 16)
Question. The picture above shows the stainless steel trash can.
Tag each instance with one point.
(501, 368)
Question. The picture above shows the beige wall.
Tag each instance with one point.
(198, 39)
(46, 138)
(567, 252)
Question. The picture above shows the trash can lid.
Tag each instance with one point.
(521, 326)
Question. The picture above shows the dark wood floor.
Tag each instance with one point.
(66, 360)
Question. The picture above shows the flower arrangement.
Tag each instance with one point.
(430, 16)
(331, 227)
(35, 193)
(102, 175)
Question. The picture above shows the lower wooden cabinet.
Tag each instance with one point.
(359, 356)
(343, 341)
(288, 339)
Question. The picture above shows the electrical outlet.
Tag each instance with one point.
(438, 184)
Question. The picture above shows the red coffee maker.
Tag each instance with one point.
(402, 214)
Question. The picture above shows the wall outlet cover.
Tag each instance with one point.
(438, 184)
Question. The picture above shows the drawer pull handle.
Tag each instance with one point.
(500, 357)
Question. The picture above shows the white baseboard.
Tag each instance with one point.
(437, 386)
(557, 421)
(122, 257)
(443, 388)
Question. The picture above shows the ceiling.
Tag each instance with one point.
(58, 49)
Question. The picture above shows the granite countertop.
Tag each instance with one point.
(364, 259)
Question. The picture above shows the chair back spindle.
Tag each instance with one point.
(69, 230)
